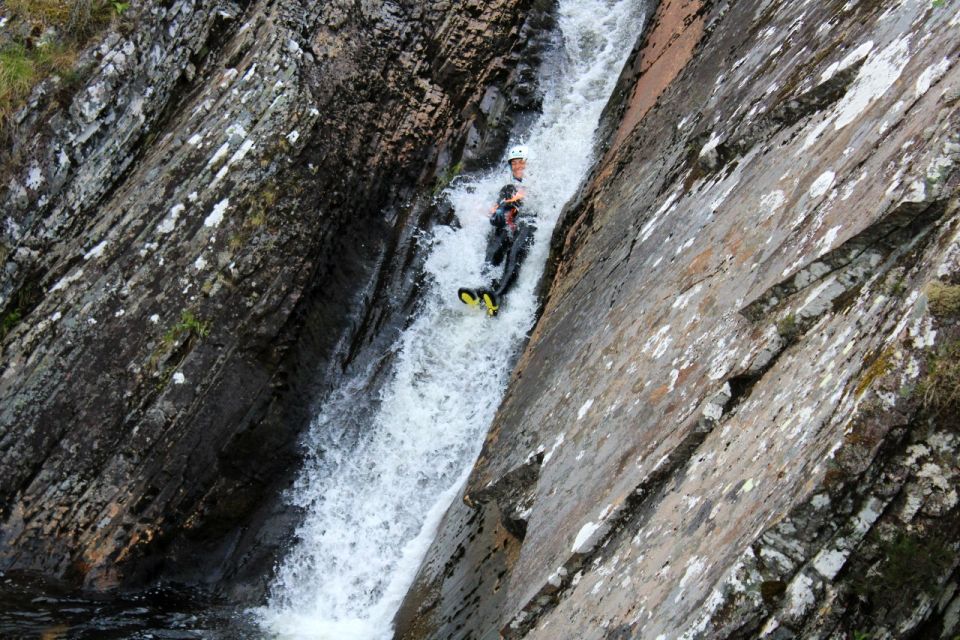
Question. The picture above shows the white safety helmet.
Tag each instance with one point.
(518, 152)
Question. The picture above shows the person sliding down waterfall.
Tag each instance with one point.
(510, 238)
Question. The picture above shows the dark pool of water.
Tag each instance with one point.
(34, 609)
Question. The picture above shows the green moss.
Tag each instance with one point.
(878, 368)
(9, 322)
(445, 178)
(943, 299)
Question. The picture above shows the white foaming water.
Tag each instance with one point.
(380, 473)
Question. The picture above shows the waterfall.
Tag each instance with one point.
(380, 472)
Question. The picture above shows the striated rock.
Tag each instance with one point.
(203, 232)
(739, 371)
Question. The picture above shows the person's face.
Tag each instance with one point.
(518, 166)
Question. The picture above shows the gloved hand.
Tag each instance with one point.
(499, 217)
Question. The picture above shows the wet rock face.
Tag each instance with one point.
(733, 371)
(196, 240)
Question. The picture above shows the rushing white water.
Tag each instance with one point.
(380, 474)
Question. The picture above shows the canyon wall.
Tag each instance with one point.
(202, 229)
(736, 416)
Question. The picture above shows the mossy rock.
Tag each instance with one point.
(943, 299)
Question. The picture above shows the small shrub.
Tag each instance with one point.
(788, 329)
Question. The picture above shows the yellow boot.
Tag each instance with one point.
(491, 302)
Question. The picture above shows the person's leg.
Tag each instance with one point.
(518, 251)
(497, 245)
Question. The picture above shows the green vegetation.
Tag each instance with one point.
(944, 299)
(22, 68)
(45, 39)
(896, 287)
(940, 388)
(260, 203)
(788, 329)
(9, 322)
(178, 338)
(190, 326)
(445, 178)
(879, 367)
(21, 303)
(74, 21)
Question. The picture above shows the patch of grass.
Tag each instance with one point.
(259, 204)
(47, 38)
(76, 20)
(21, 68)
(943, 299)
(44, 13)
(939, 389)
(189, 326)
(18, 72)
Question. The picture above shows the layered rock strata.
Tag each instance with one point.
(736, 415)
(193, 244)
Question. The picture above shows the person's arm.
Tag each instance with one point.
(503, 213)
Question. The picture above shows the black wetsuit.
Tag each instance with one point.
(510, 239)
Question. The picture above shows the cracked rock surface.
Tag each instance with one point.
(193, 240)
(745, 316)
